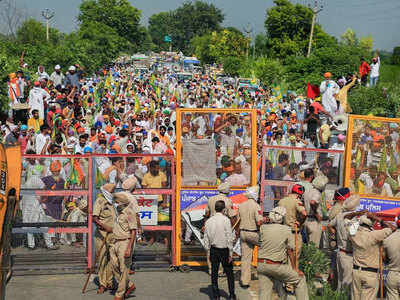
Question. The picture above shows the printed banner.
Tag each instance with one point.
(387, 209)
(148, 205)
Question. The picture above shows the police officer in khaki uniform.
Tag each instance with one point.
(124, 237)
(366, 243)
(223, 191)
(276, 245)
(340, 196)
(250, 215)
(340, 226)
(104, 216)
(391, 246)
(312, 204)
(295, 213)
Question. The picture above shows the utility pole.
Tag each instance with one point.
(315, 10)
(47, 14)
(248, 30)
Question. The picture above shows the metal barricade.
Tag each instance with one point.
(275, 183)
(54, 229)
(156, 200)
(53, 219)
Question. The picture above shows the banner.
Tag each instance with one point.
(387, 209)
(148, 205)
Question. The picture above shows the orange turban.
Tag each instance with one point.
(55, 166)
(328, 75)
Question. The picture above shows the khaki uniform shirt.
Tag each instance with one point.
(104, 211)
(228, 211)
(124, 223)
(366, 246)
(218, 233)
(335, 210)
(293, 206)
(275, 239)
(307, 201)
(342, 234)
(249, 213)
(392, 247)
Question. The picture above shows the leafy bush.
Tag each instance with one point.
(313, 261)
(326, 293)
(379, 101)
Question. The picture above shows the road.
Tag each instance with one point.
(161, 285)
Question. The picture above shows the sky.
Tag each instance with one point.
(379, 18)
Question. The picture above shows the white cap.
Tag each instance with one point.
(72, 68)
(57, 67)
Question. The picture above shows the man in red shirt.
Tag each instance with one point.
(364, 71)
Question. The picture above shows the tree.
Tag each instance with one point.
(261, 44)
(366, 43)
(227, 43)
(396, 56)
(160, 25)
(288, 29)
(216, 46)
(349, 38)
(33, 33)
(187, 21)
(119, 15)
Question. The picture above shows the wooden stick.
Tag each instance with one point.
(94, 265)
(296, 246)
(381, 270)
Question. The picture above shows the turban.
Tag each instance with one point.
(252, 192)
(328, 75)
(342, 194)
(224, 188)
(351, 203)
(55, 166)
(277, 214)
(130, 183)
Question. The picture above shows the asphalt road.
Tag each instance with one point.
(194, 285)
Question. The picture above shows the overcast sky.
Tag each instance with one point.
(380, 18)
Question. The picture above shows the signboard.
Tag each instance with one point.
(167, 39)
(197, 199)
(148, 206)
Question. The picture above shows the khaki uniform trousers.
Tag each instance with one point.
(121, 266)
(284, 273)
(365, 285)
(247, 242)
(104, 270)
(314, 231)
(344, 263)
(393, 285)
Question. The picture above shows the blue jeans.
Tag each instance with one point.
(373, 80)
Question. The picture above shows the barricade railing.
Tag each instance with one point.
(276, 181)
(52, 205)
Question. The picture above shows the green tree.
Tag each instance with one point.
(184, 23)
(366, 43)
(216, 46)
(119, 15)
(234, 65)
(396, 56)
(288, 29)
(32, 32)
(269, 71)
(349, 38)
(160, 25)
(261, 44)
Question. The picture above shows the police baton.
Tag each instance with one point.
(381, 270)
(95, 262)
(296, 246)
